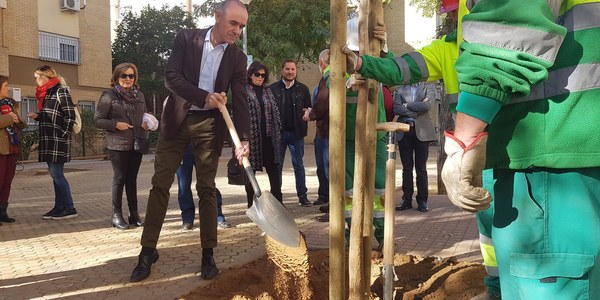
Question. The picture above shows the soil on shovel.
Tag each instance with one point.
(296, 273)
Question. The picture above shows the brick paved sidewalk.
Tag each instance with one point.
(85, 258)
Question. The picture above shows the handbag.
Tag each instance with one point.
(77, 125)
(236, 175)
(141, 144)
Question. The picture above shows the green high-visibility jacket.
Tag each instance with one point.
(351, 105)
(533, 74)
(432, 62)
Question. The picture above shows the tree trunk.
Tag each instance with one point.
(337, 151)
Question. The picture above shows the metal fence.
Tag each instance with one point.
(85, 143)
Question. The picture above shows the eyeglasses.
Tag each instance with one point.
(131, 76)
(263, 75)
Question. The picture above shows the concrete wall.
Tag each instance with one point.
(21, 23)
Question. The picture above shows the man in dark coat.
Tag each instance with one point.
(203, 66)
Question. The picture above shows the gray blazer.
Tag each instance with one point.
(416, 109)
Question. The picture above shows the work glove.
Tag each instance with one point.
(355, 82)
(379, 33)
(351, 60)
(462, 173)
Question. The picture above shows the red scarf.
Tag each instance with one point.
(40, 91)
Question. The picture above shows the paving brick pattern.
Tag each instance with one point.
(85, 258)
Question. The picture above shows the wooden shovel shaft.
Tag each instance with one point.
(234, 136)
(390, 196)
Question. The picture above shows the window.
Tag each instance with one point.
(87, 105)
(60, 48)
(28, 105)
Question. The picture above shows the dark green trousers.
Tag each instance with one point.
(198, 129)
(546, 230)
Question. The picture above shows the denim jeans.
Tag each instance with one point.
(296, 145)
(62, 190)
(322, 161)
(184, 194)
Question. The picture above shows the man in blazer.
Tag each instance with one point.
(203, 66)
(412, 104)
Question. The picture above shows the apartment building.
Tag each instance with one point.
(72, 36)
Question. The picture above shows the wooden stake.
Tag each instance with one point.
(337, 150)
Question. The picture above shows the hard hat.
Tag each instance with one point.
(352, 34)
(448, 6)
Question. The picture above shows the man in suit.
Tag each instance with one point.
(203, 66)
(412, 104)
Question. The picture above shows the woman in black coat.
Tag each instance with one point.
(265, 130)
(56, 117)
(120, 112)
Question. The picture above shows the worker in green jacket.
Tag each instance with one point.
(529, 81)
(434, 62)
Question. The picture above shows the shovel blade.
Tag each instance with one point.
(275, 220)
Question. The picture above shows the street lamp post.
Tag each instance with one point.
(245, 32)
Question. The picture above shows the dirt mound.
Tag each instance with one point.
(418, 278)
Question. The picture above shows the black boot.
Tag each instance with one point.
(134, 219)
(144, 267)
(117, 219)
(3, 215)
(208, 269)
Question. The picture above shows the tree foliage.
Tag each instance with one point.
(427, 7)
(146, 40)
(282, 29)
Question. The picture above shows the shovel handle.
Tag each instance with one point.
(238, 144)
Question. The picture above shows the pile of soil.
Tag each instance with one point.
(295, 273)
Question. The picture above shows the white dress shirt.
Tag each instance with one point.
(209, 67)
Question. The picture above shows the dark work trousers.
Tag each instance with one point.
(199, 129)
(126, 165)
(273, 171)
(414, 153)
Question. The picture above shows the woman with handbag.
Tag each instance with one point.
(120, 112)
(56, 117)
(265, 130)
(10, 126)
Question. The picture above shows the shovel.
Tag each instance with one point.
(267, 212)
(390, 187)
